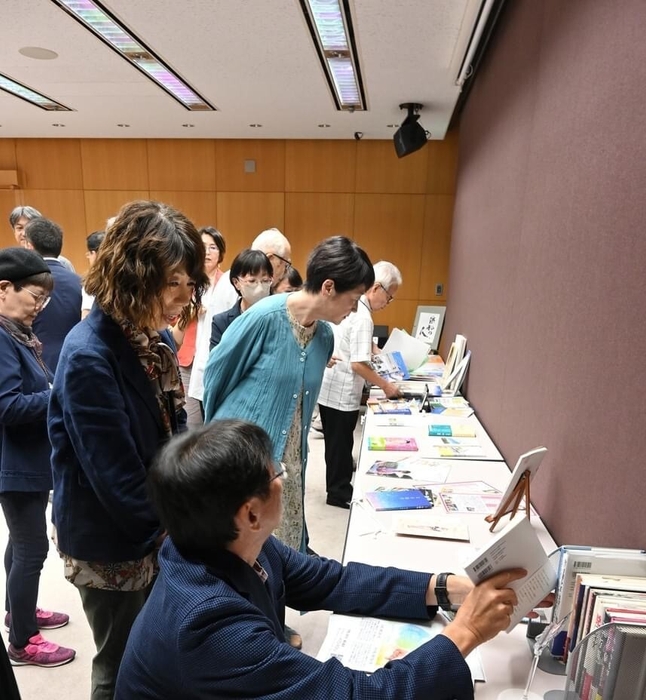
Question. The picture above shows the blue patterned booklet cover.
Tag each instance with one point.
(399, 499)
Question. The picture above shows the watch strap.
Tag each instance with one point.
(441, 592)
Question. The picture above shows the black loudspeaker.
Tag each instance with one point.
(410, 136)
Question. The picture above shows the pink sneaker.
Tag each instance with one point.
(45, 620)
(40, 652)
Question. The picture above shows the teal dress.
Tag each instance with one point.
(268, 371)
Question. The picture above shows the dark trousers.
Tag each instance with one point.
(111, 614)
(23, 560)
(338, 431)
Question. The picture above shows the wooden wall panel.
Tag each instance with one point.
(8, 200)
(379, 169)
(320, 166)
(49, 164)
(8, 154)
(442, 164)
(181, 165)
(270, 165)
(200, 207)
(67, 209)
(436, 246)
(101, 205)
(243, 215)
(391, 227)
(309, 218)
(114, 164)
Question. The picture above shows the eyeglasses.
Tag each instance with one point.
(280, 257)
(41, 299)
(389, 296)
(211, 248)
(280, 474)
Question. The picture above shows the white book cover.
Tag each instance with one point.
(517, 546)
(412, 350)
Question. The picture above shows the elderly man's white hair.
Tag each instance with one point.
(387, 274)
(272, 241)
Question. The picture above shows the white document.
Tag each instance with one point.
(412, 350)
(367, 643)
(516, 546)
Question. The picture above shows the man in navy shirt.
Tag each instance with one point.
(213, 626)
(63, 312)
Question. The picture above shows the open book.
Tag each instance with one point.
(516, 546)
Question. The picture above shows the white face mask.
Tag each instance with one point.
(252, 293)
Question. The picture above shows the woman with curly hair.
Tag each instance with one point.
(117, 397)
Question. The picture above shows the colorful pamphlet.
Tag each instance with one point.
(386, 406)
(418, 468)
(390, 366)
(392, 444)
(399, 499)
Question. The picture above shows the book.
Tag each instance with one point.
(390, 366)
(452, 385)
(399, 499)
(516, 546)
(454, 448)
(392, 444)
(431, 525)
(455, 430)
(575, 559)
(389, 406)
(418, 468)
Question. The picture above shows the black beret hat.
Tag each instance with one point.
(18, 263)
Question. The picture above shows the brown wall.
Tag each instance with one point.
(399, 210)
(548, 258)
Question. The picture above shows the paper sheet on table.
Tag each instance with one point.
(367, 643)
(412, 350)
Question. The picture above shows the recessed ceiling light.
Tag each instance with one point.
(324, 126)
(256, 126)
(330, 24)
(117, 36)
(59, 125)
(124, 126)
(38, 52)
(188, 126)
(35, 98)
(392, 126)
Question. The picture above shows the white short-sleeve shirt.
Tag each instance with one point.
(342, 388)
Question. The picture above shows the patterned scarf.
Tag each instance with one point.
(160, 365)
(26, 336)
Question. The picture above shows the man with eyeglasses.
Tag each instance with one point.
(277, 248)
(213, 624)
(340, 395)
(54, 322)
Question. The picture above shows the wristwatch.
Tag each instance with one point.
(441, 593)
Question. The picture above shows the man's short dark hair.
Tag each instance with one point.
(202, 478)
(94, 240)
(45, 235)
(341, 260)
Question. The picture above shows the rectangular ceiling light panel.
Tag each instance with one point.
(35, 98)
(93, 16)
(330, 23)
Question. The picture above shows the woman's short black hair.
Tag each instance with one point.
(201, 479)
(250, 262)
(341, 260)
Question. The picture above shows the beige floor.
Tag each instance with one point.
(327, 526)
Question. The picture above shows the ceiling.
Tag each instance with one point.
(252, 59)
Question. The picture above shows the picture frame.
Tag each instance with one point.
(428, 325)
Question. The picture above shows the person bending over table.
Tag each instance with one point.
(213, 624)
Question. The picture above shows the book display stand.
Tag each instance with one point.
(513, 502)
